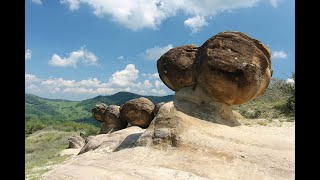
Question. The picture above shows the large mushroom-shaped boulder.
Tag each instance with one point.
(233, 67)
(110, 118)
(177, 67)
(230, 68)
(137, 112)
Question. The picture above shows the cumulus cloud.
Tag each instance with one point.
(147, 84)
(27, 54)
(37, 2)
(124, 77)
(139, 14)
(195, 23)
(33, 89)
(81, 55)
(30, 78)
(279, 55)
(127, 79)
(151, 76)
(156, 52)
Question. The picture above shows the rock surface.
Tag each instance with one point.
(76, 142)
(109, 116)
(177, 67)
(179, 146)
(157, 107)
(137, 112)
(98, 111)
(233, 67)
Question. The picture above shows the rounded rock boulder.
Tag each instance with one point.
(233, 67)
(177, 67)
(138, 112)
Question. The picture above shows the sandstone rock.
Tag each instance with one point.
(179, 146)
(76, 142)
(137, 112)
(233, 67)
(113, 142)
(157, 107)
(109, 116)
(177, 67)
(98, 112)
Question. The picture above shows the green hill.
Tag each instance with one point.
(62, 110)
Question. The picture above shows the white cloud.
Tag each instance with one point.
(139, 14)
(290, 81)
(78, 90)
(156, 52)
(120, 57)
(124, 77)
(30, 78)
(151, 76)
(195, 23)
(158, 83)
(37, 2)
(275, 3)
(27, 54)
(81, 55)
(58, 82)
(33, 89)
(147, 84)
(279, 55)
(123, 80)
(159, 91)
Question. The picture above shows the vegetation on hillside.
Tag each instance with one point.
(34, 125)
(42, 151)
(278, 101)
(63, 110)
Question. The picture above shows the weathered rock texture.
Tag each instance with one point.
(137, 112)
(179, 146)
(75, 142)
(157, 107)
(230, 68)
(110, 118)
(98, 111)
(177, 67)
(233, 67)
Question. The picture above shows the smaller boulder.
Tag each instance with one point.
(75, 142)
(98, 112)
(137, 112)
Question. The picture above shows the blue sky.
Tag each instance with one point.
(79, 49)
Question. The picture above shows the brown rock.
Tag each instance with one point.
(109, 116)
(233, 67)
(177, 67)
(98, 112)
(138, 112)
(75, 142)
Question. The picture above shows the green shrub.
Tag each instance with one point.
(33, 126)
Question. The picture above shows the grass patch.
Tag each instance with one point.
(68, 126)
(42, 151)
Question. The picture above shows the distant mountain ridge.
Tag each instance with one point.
(59, 109)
